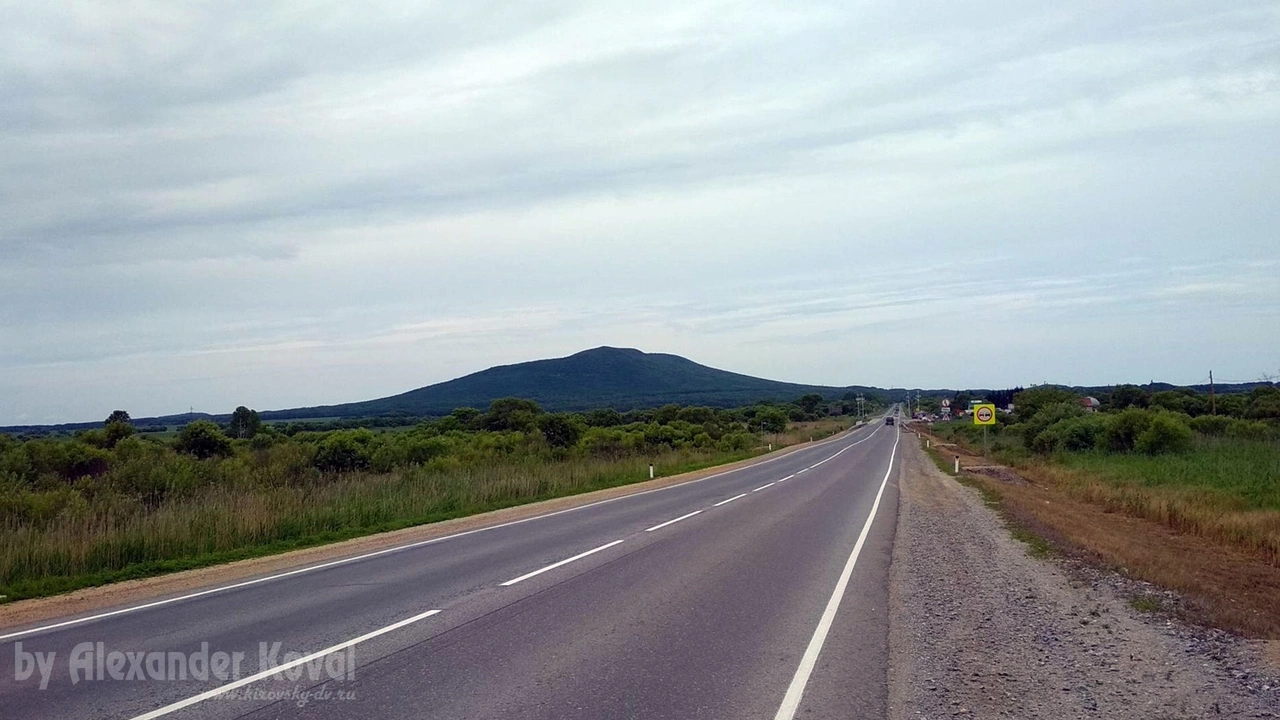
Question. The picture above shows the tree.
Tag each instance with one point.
(559, 430)
(810, 403)
(118, 416)
(1127, 396)
(203, 439)
(1029, 402)
(114, 432)
(771, 420)
(512, 414)
(245, 423)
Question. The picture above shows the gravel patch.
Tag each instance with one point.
(983, 630)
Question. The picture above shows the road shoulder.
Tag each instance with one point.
(982, 629)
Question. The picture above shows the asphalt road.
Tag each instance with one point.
(758, 593)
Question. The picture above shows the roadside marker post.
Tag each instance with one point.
(650, 471)
(957, 464)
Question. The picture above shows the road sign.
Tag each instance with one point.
(984, 414)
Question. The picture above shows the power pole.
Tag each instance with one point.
(1213, 410)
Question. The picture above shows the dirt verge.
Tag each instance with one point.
(982, 629)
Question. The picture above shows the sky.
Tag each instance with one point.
(283, 204)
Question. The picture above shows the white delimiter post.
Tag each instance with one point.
(957, 464)
(650, 471)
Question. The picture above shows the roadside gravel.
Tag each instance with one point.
(983, 630)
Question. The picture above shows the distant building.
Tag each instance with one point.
(1090, 404)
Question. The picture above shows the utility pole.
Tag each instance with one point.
(1213, 410)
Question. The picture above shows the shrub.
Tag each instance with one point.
(1164, 435)
(1124, 428)
(1047, 416)
(1071, 434)
(344, 451)
(203, 439)
(1249, 430)
(1211, 425)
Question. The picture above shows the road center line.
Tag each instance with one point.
(671, 522)
(726, 502)
(785, 478)
(555, 565)
(281, 668)
(764, 486)
(791, 701)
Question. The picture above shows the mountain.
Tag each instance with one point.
(603, 377)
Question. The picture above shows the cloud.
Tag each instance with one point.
(272, 191)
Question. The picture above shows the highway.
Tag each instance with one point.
(756, 593)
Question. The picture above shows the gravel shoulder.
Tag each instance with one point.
(981, 629)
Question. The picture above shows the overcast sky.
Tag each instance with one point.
(285, 204)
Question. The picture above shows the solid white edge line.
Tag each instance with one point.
(795, 692)
(764, 486)
(659, 526)
(555, 565)
(411, 546)
(726, 502)
(280, 668)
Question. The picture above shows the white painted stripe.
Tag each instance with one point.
(408, 546)
(785, 478)
(791, 701)
(280, 668)
(659, 526)
(555, 565)
(764, 486)
(726, 502)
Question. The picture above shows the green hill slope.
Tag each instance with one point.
(603, 377)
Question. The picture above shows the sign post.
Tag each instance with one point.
(984, 415)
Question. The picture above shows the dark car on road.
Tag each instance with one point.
(888, 420)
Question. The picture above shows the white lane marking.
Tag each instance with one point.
(785, 478)
(555, 565)
(764, 486)
(659, 526)
(726, 502)
(791, 701)
(281, 668)
(801, 472)
(411, 546)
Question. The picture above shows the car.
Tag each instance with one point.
(888, 420)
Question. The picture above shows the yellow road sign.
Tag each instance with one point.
(984, 414)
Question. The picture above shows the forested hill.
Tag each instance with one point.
(603, 377)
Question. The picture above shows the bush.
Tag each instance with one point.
(1072, 434)
(1165, 434)
(1211, 425)
(344, 451)
(1046, 417)
(1124, 428)
(1249, 430)
(203, 439)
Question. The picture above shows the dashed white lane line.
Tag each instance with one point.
(765, 486)
(785, 478)
(659, 526)
(726, 502)
(407, 546)
(795, 691)
(161, 712)
(555, 565)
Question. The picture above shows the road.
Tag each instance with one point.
(757, 593)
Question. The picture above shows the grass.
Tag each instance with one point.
(1203, 524)
(1146, 604)
(102, 542)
